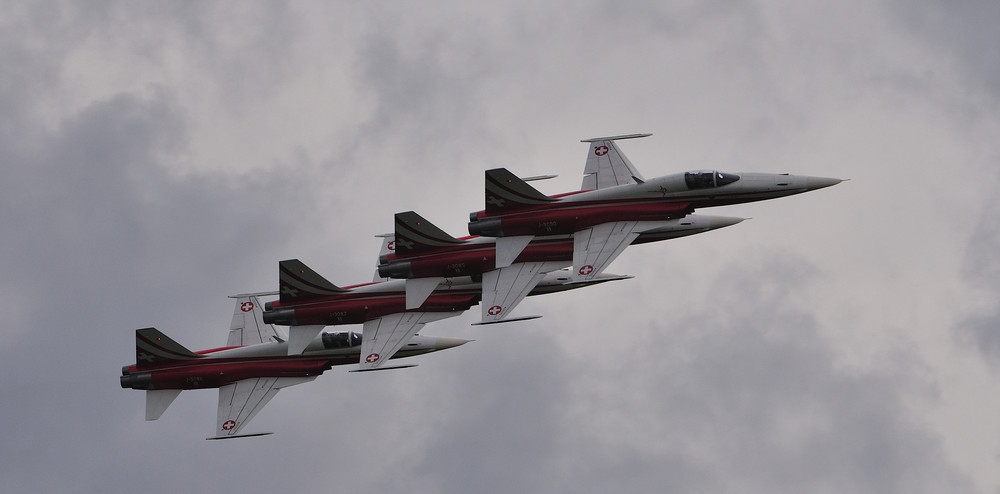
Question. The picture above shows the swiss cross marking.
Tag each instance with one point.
(372, 358)
(496, 201)
(246, 306)
(145, 357)
(586, 269)
(496, 309)
(229, 425)
(601, 150)
(404, 243)
(391, 245)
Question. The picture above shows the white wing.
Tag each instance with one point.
(384, 336)
(247, 327)
(504, 288)
(594, 248)
(239, 402)
(606, 165)
(388, 247)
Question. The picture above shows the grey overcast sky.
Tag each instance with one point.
(159, 156)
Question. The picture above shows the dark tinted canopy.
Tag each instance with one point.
(707, 179)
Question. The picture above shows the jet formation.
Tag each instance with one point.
(523, 243)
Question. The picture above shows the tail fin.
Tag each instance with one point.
(153, 348)
(298, 283)
(415, 235)
(506, 192)
(607, 166)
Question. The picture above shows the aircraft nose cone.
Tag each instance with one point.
(813, 183)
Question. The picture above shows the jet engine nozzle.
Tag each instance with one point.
(140, 380)
(284, 317)
(396, 269)
(486, 227)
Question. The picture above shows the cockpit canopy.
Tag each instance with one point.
(707, 179)
(344, 339)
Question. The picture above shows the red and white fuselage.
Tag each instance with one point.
(513, 208)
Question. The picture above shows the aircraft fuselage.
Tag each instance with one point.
(222, 366)
(478, 254)
(662, 198)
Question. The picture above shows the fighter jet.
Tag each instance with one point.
(615, 204)
(249, 370)
(425, 255)
(308, 302)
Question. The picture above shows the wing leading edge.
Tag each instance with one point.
(240, 402)
(384, 336)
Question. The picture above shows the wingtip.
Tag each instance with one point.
(237, 436)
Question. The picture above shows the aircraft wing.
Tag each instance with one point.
(595, 247)
(506, 287)
(388, 247)
(607, 166)
(240, 401)
(247, 327)
(384, 336)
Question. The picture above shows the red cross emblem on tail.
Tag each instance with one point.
(246, 306)
(586, 269)
(496, 309)
(601, 150)
(229, 425)
(372, 358)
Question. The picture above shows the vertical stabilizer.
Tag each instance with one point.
(506, 192)
(298, 283)
(415, 235)
(157, 401)
(153, 348)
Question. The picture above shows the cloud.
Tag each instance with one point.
(160, 157)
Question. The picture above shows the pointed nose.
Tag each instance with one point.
(813, 183)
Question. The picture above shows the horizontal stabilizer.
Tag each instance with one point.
(404, 366)
(252, 434)
(508, 248)
(418, 289)
(299, 337)
(157, 401)
(510, 319)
